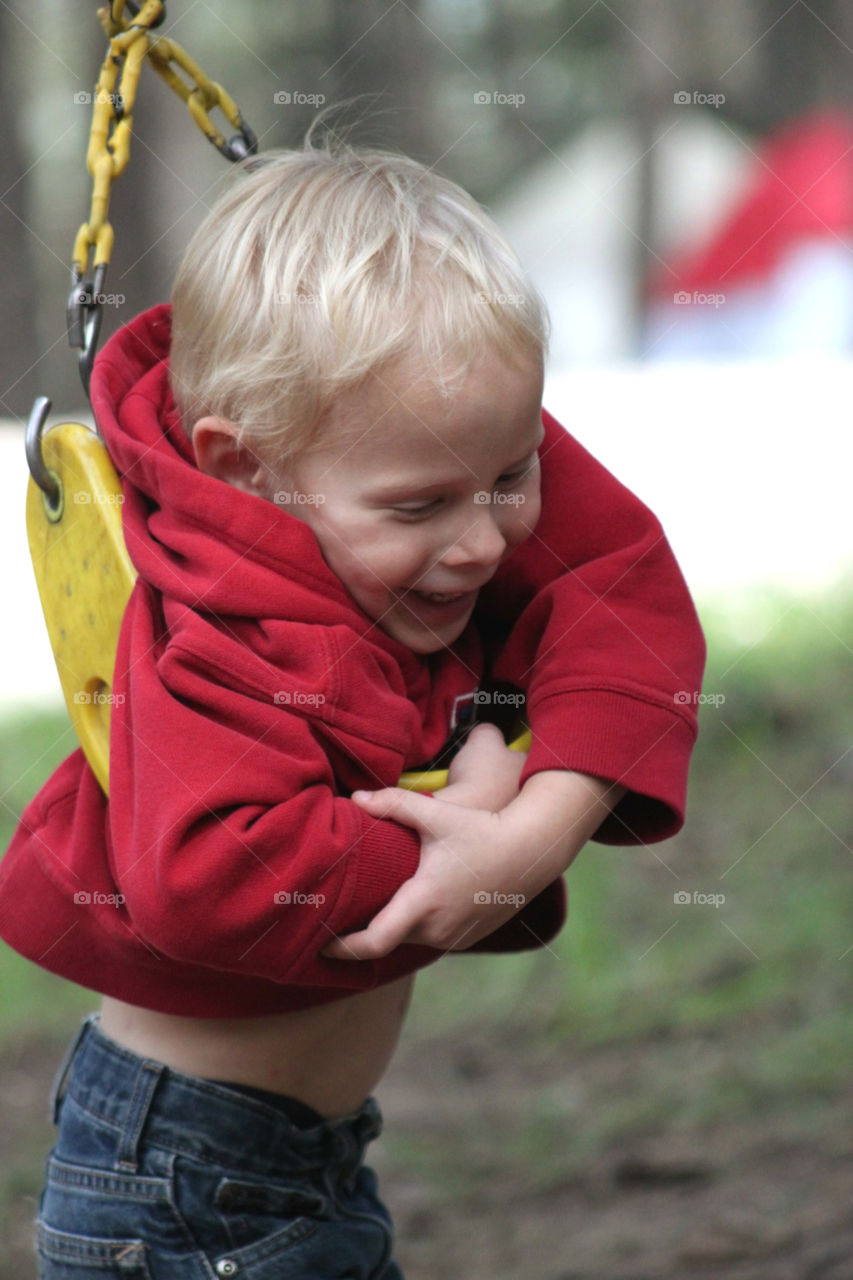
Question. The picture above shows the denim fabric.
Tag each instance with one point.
(163, 1176)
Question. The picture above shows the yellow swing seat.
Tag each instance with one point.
(85, 577)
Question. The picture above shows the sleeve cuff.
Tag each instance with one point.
(623, 738)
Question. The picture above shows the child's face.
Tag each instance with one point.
(423, 497)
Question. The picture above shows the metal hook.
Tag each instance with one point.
(46, 480)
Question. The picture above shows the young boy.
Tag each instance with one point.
(353, 525)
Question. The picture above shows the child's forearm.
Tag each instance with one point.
(560, 811)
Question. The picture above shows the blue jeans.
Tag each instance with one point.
(163, 1176)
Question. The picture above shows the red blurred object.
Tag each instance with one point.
(802, 190)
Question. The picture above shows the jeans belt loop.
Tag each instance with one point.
(147, 1078)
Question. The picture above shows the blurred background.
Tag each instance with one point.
(666, 1092)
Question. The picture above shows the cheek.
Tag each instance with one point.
(379, 561)
(524, 519)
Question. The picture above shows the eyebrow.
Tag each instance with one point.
(409, 488)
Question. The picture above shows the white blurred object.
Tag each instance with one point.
(571, 222)
(746, 464)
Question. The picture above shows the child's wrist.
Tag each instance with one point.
(561, 810)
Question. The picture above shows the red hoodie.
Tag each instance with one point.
(254, 695)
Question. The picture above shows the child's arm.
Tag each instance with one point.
(591, 618)
(486, 847)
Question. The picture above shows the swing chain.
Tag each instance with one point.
(130, 42)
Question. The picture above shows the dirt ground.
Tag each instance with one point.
(482, 1175)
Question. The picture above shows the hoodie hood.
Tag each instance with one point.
(243, 582)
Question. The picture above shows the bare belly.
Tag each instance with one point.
(331, 1056)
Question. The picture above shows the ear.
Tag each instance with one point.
(219, 452)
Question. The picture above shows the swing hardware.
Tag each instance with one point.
(84, 317)
(46, 479)
(130, 42)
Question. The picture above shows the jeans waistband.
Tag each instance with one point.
(140, 1099)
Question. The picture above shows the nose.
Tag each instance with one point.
(480, 541)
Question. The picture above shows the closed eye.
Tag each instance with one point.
(419, 510)
(521, 473)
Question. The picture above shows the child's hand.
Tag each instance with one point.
(469, 858)
(477, 868)
(484, 773)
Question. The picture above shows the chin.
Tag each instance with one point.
(428, 642)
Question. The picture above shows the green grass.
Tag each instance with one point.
(31, 999)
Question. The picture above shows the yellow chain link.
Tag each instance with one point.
(130, 41)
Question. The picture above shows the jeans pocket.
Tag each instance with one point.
(101, 1223)
(63, 1256)
(282, 1232)
(252, 1211)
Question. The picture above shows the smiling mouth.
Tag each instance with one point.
(444, 597)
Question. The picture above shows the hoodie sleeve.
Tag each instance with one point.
(229, 840)
(592, 619)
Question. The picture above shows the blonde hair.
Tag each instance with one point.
(317, 268)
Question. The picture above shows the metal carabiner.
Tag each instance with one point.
(241, 146)
(84, 317)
